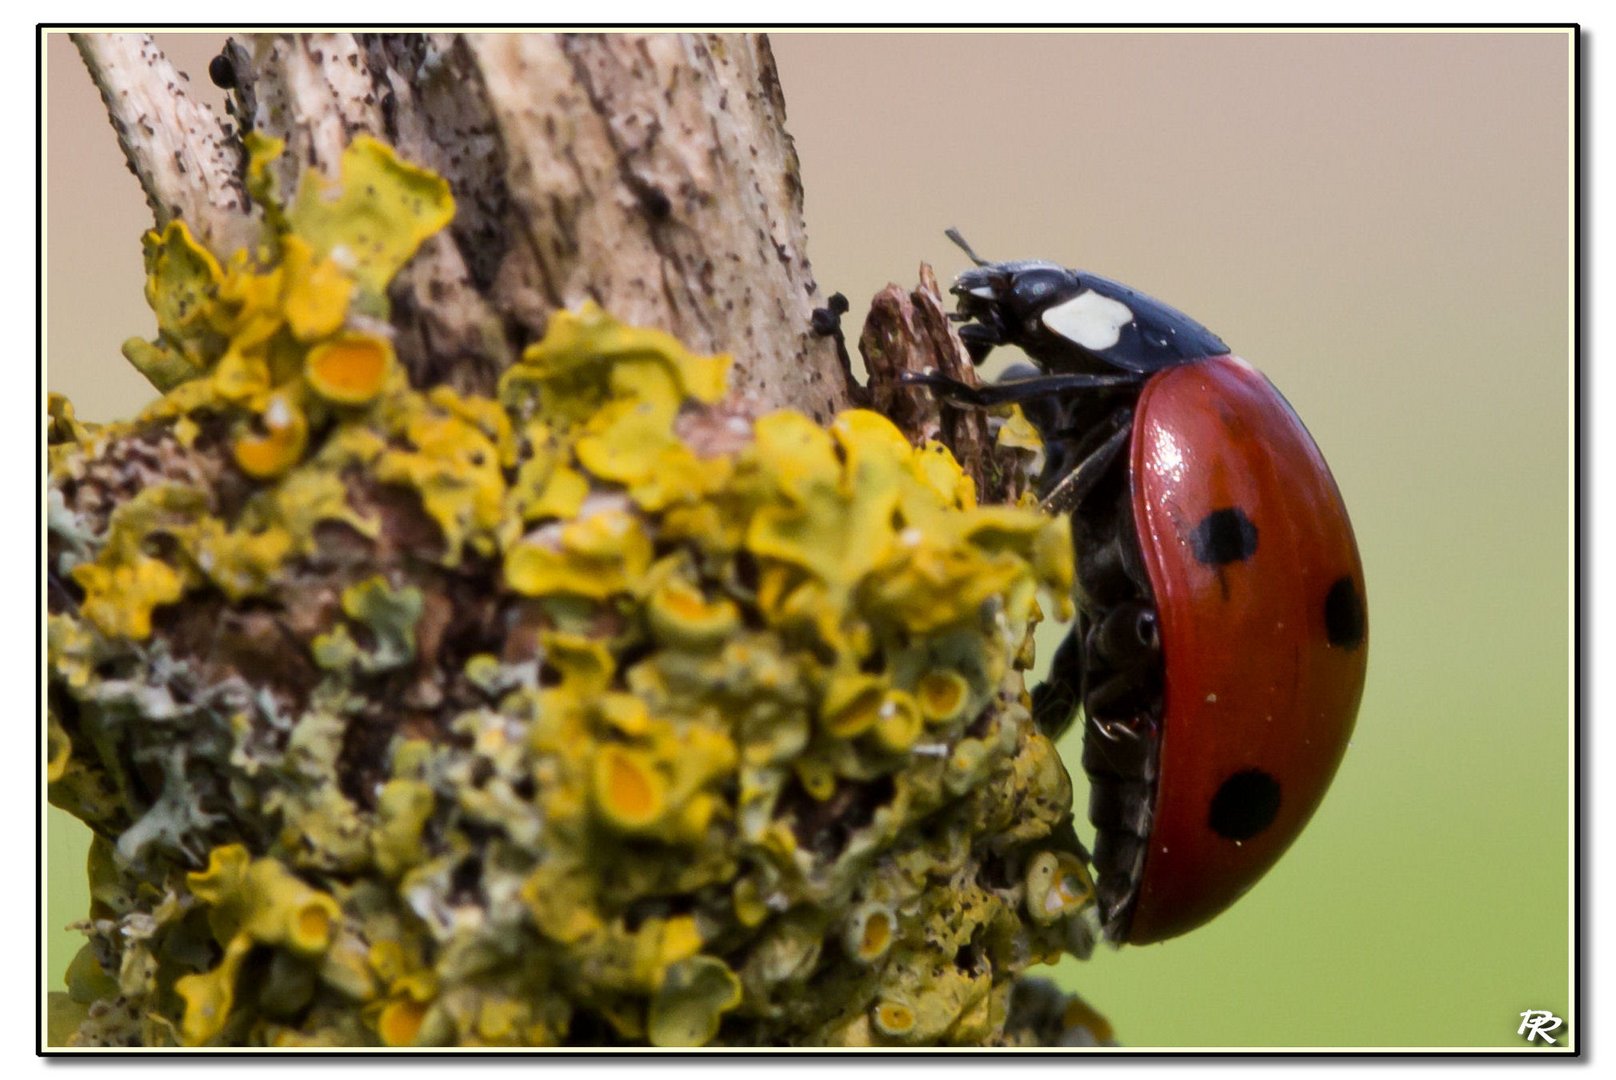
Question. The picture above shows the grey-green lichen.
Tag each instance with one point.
(585, 714)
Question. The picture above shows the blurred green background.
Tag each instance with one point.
(1382, 223)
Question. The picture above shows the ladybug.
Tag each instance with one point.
(1219, 650)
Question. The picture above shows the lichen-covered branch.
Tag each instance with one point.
(651, 174)
(431, 680)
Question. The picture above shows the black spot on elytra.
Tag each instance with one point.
(1224, 536)
(1344, 614)
(1245, 805)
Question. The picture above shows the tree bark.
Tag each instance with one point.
(650, 173)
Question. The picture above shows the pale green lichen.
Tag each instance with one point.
(388, 614)
(428, 719)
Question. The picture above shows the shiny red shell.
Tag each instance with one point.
(1260, 602)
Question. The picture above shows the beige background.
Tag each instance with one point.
(1381, 223)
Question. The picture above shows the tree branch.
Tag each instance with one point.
(186, 162)
(649, 173)
(586, 705)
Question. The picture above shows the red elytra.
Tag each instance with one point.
(1260, 600)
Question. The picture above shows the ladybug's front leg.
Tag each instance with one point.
(981, 338)
(1014, 393)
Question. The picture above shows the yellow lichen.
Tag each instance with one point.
(586, 665)
(853, 704)
(317, 292)
(403, 808)
(560, 898)
(125, 583)
(64, 426)
(628, 789)
(252, 902)
(624, 714)
(681, 614)
(898, 722)
(1057, 885)
(894, 1018)
(400, 1021)
(181, 277)
(691, 1002)
(350, 369)
(119, 599)
(58, 751)
(454, 464)
(278, 444)
(818, 778)
(870, 932)
(374, 216)
(942, 695)
(561, 495)
(596, 556)
(210, 996)
(1018, 433)
(525, 710)
(240, 562)
(572, 372)
(305, 499)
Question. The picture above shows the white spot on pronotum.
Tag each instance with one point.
(910, 537)
(1211, 699)
(1089, 319)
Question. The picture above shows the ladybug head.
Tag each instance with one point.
(1000, 301)
(1016, 291)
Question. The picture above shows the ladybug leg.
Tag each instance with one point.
(1055, 700)
(1127, 637)
(1124, 644)
(1127, 642)
(1075, 483)
(827, 322)
(1116, 694)
(1116, 751)
(1010, 393)
(980, 339)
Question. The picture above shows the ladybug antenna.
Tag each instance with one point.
(959, 241)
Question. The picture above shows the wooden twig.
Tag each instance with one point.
(187, 163)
